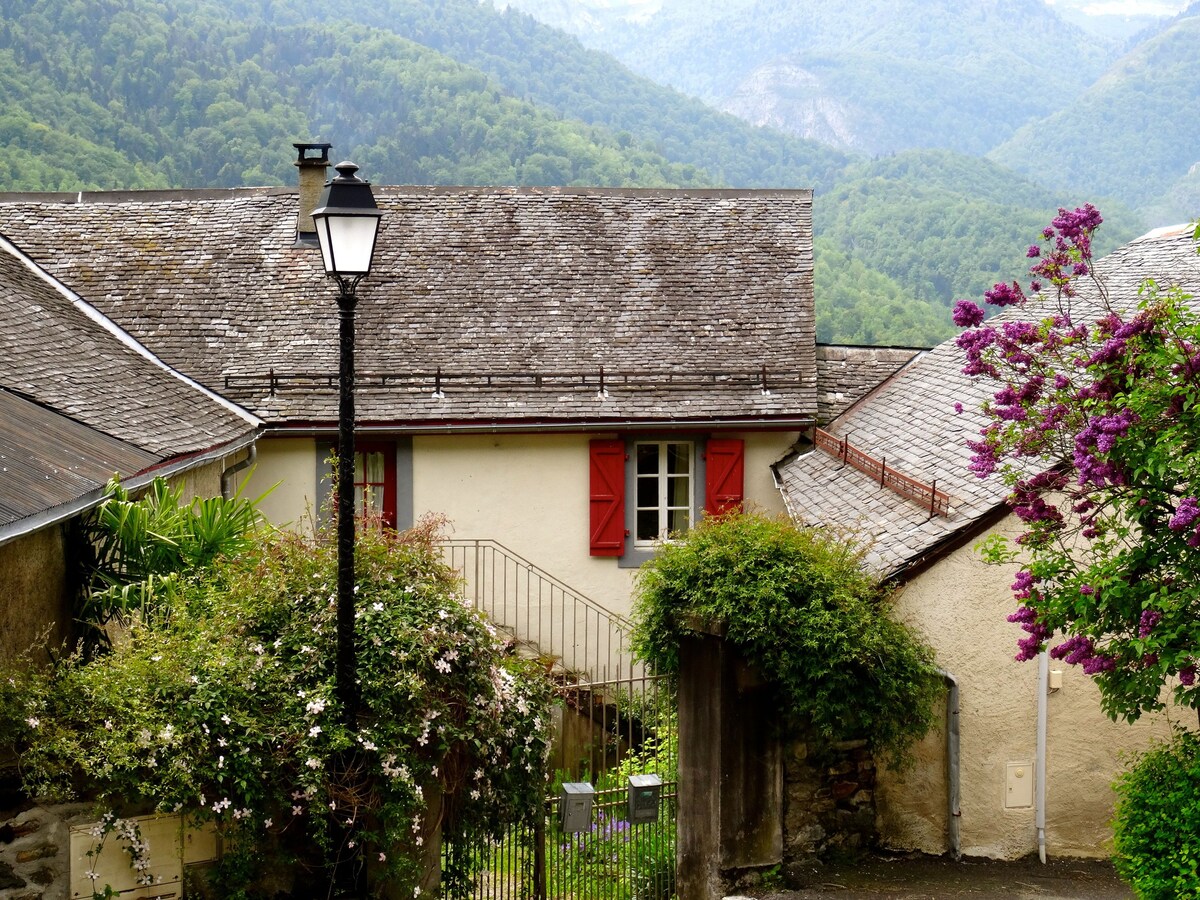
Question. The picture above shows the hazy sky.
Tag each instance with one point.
(1123, 7)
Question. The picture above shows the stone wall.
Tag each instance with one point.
(35, 850)
(828, 800)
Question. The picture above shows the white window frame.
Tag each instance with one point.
(664, 479)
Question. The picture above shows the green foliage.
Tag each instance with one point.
(1156, 829)
(857, 305)
(1092, 418)
(1129, 135)
(799, 607)
(208, 95)
(942, 226)
(135, 551)
(227, 711)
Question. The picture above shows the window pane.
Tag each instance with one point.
(647, 493)
(678, 459)
(677, 492)
(679, 519)
(647, 459)
(375, 467)
(647, 524)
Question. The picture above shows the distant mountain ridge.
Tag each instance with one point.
(1009, 79)
(1130, 135)
(201, 93)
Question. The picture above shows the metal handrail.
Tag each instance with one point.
(937, 502)
(570, 633)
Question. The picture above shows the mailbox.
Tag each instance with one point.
(575, 807)
(645, 791)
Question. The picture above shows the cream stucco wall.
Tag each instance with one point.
(530, 493)
(34, 593)
(289, 465)
(960, 605)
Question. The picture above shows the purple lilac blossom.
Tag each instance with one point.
(1185, 514)
(1003, 294)
(1150, 618)
(967, 314)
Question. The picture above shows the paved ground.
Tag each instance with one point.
(919, 877)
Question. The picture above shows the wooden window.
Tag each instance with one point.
(664, 472)
(375, 482)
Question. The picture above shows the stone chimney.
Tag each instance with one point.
(312, 182)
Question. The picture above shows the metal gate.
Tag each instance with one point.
(607, 731)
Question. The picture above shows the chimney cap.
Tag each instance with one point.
(304, 161)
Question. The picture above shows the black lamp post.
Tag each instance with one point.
(347, 222)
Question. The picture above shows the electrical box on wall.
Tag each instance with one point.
(645, 792)
(575, 807)
(1018, 785)
(97, 863)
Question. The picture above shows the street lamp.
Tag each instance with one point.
(347, 222)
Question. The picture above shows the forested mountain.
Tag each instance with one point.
(943, 225)
(1076, 110)
(1132, 134)
(190, 93)
(873, 75)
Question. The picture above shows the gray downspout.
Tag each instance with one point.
(229, 476)
(954, 810)
(1039, 772)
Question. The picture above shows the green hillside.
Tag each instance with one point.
(946, 226)
(196, 93)
(188, 96)
(959, 74)
(1132, 134)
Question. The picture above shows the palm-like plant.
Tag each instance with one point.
(136, 550)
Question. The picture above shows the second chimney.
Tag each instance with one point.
(312, 182)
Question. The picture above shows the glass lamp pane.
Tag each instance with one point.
(347, 243)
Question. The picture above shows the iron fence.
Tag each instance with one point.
(618, 728)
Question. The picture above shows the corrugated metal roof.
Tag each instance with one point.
(47, 459)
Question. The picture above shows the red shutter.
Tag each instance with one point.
(607, 493)
(724, 475)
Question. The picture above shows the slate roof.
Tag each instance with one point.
(847, 372)
(79, 400)
(910, 421)
(685, 299)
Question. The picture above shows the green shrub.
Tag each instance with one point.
(797, 603)
(1156, 831)
(226, 710)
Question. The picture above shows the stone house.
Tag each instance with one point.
(999, 791)
(80, 401)
(563, 373)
